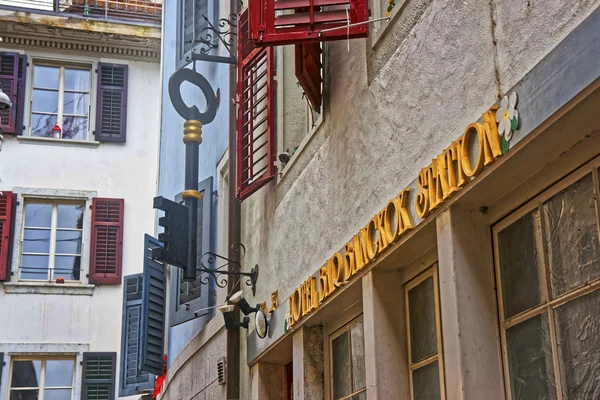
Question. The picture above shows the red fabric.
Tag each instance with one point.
(160, 380)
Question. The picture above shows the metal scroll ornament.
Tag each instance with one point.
(211, 36)
(216, 267)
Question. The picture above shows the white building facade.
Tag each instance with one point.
(78, 172)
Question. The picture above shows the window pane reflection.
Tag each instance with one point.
(26, 374)
(59, 373)
(75, 128)
(38, 215)
(36, 241)
(45, 101)
(77, 79)
(41, 125)
(46, 77)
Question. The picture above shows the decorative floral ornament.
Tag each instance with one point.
(507, 116)
(390, 7)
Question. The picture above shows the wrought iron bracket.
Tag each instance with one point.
(219, 272)
(211, 36)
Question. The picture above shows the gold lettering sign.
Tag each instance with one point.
(462, 161)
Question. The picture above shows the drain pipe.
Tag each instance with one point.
(233, 234)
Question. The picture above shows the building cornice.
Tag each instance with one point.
(66, 39)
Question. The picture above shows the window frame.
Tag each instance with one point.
(43, 358)
(61, 64)
(182, 313)
(548, 305)
(331, 336)
(312, 125)
(81, 287)
(430, 271)
(53, 230)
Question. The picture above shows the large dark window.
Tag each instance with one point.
(548, 274)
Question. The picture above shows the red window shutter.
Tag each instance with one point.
(6, 209)
(255, 114)
(279, 22)
(107, 241)
(308, 71)
(9, 75)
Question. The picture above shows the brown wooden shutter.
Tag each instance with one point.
(9, 75)
(20, 106)
(255, 114)
(308, 71)
(111, 115)
(6, 209)
(107, 241)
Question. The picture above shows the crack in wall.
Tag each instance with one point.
(495, 44)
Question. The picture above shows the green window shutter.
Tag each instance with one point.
(132, 380)
(154, 310)
(98, 381)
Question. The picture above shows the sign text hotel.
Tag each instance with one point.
(454, 168)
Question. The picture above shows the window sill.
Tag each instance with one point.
(58, 142)
(48, 288)
(384, 27)
(300, 148)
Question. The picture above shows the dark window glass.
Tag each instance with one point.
(426, 382)
(571, 230)
(521, 260)
(530, 360)
(421, 309)
(578, 337)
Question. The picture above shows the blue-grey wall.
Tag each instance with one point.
(172, 151)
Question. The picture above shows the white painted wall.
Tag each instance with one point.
(127, 171)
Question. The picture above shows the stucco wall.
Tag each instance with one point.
(125, 171)
(394, 104)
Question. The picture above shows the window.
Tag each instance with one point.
(301, 95)
(49, 378)
(52, 240)
(190, 299)
(347, 348)
(547, 257)
(60, 98)
(424, 338)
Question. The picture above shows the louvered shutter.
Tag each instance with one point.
(6, 209)
(9, 73)
(111, 115)
(154, 295)
(192, 24)
(280, 22)
(308, 67)
(190, 300)
(132, 379)
(107, 241)
(20, 106)
(255, 115)
(98, 381)
(1, 367)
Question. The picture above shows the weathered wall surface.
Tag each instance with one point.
(193, 374)
(393, 106)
